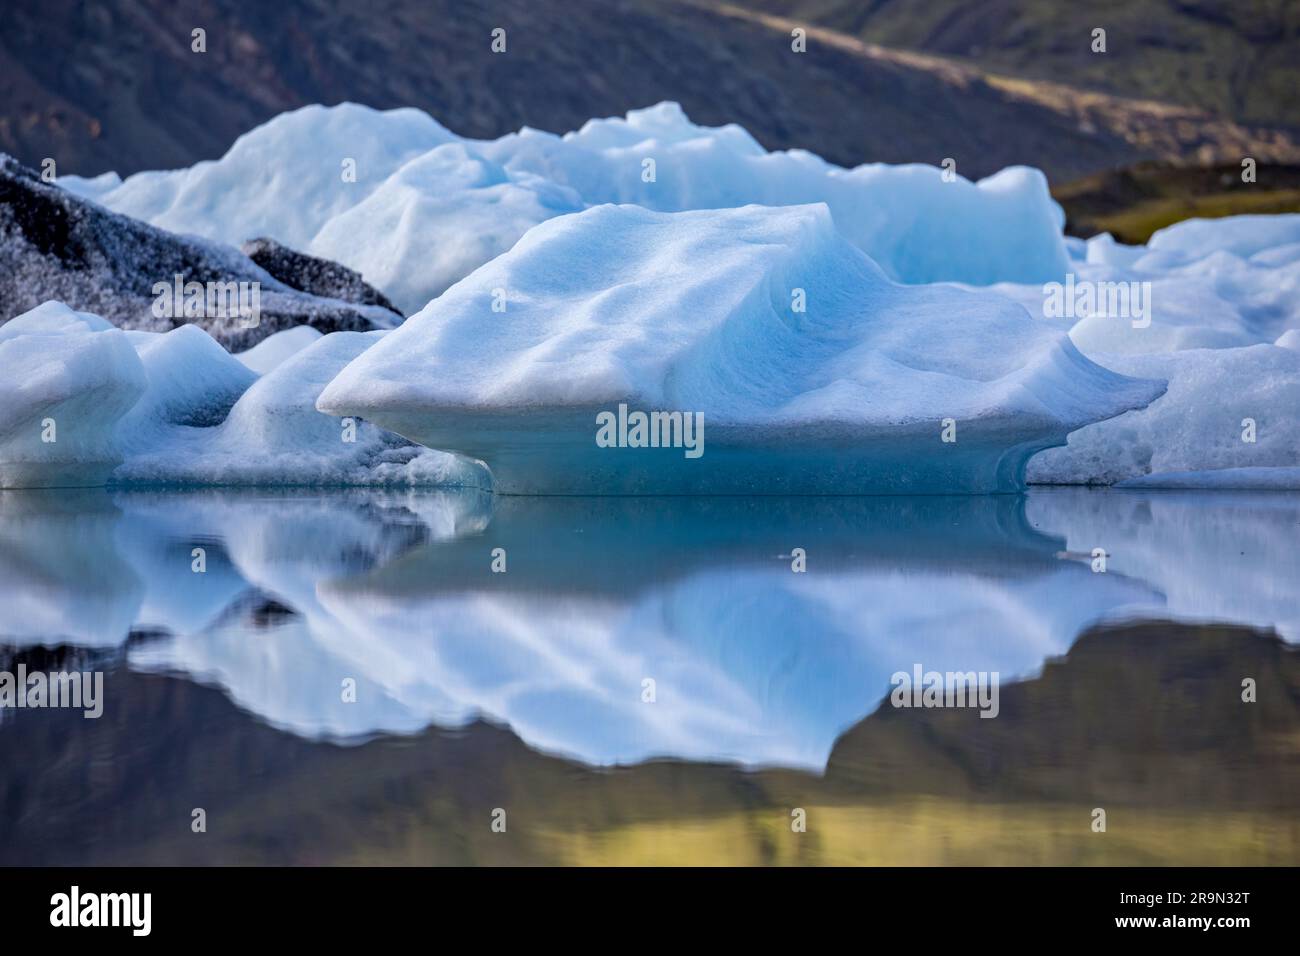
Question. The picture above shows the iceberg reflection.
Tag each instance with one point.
(751, 662)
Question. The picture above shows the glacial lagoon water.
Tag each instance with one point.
(363, 676)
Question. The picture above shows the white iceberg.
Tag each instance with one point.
(810, 369)
(284, 179)
(66, 378)
(1193, 297)
(85, 404)
(436, 205)
(273, 435)
(278, 348)
(437, 219)
(1226, 412)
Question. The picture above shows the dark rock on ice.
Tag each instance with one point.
(315, 276)
(54, 245)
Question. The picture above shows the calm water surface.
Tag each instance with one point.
(348, 679)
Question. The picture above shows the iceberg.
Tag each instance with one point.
(426, 207)
(811, 370)
(278, 348)
(1226, 413)
(85, 404)
(436, 220)
(68, 378)
(285, 179)
(1198, 297)
(273, 435)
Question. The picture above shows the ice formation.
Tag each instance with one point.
(1224, 299)
(277, 348)
(811, 370)
(425, 207)
(1225, 410)
(603, 307)
(83, 403)
(274, 435)
(67, 379)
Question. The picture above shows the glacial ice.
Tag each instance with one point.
(813, 372)
(83, 403)
(428, 207)
(273, 435)
(437, 219)
(58, 246)
(66, 378)
(1224, 301)
(284, 179)
(1199, 425)
(277, 348)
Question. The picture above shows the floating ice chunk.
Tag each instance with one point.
(52, 318)
(276, 349)
(285, 179)
(918, 224)
(436, 219)
(1242, 236)
(1224, 409)
(192, 381)
(1174, 300)
(66, 378)
(700, 313)
(90, 187)
(455, 208)
(1104, 250)
(273, 435)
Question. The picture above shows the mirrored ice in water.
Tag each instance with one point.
(642, 633)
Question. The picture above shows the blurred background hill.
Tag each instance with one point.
(113, 84)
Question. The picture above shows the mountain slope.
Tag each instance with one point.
(1238, 59)
(115, 85)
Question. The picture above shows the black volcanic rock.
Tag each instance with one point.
(314, 276)
(54, 245)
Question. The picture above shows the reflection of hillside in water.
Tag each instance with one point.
(1142, 720)
(752, 663)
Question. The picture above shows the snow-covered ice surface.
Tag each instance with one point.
(814, 373)
(275, 349)
(274, 435)
(753, 664)
(1224, 318)
(66, 379)
(83, 404)
(645, 314)
(427, 207)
